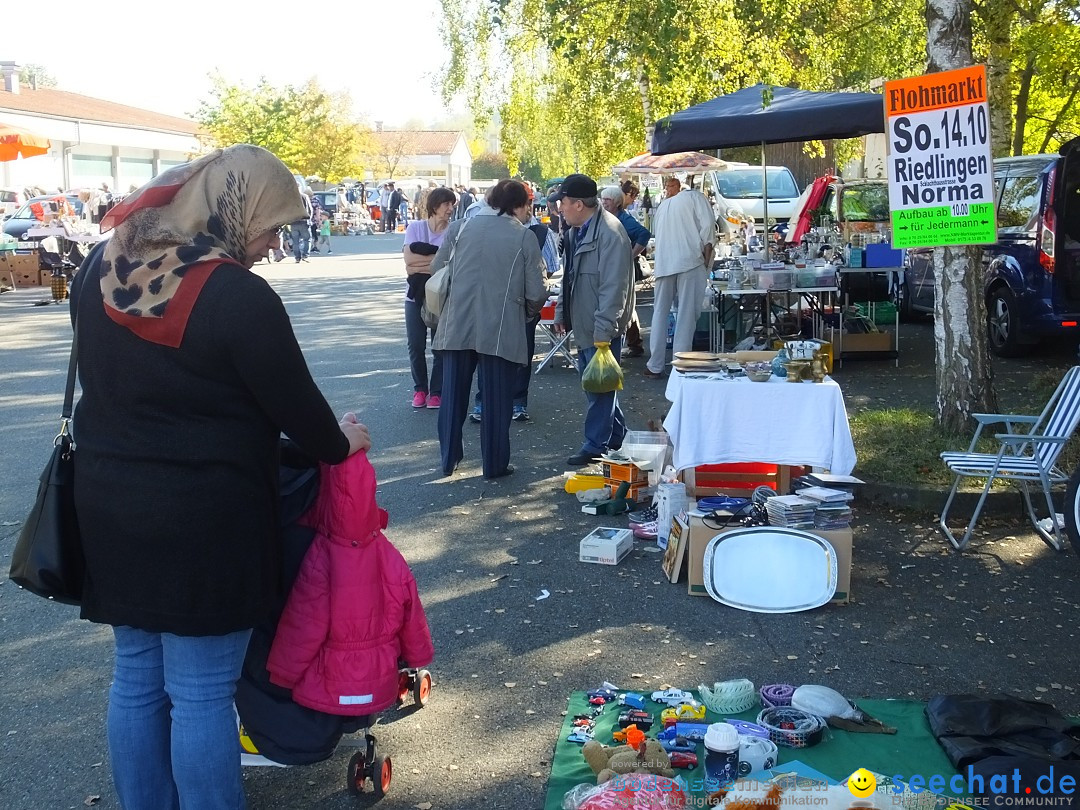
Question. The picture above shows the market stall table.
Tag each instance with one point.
(807, 298)
(714, 420)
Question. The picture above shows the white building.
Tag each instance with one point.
(440, 155)
(93, 141)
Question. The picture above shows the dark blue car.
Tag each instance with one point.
(1032, 272)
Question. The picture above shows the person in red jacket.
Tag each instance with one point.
(353, 615)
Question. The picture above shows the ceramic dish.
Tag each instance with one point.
(698, 365)
(768, 569)
(697, 356)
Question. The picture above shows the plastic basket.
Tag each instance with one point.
(791, 728)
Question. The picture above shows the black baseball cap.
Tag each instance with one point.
(579, 186)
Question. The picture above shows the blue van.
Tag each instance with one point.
(1032, 273)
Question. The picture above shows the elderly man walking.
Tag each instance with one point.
(685, 230)
(595, 302)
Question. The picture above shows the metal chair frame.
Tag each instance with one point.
(1023, 459)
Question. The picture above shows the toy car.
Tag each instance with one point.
(680, 744)
(683, 728)
(684, 711)
(580, 735)
(683, 759)
(632, 699)
(584, 721)
(673, 697)
(598, 700)
(607, 693)
(642, 720)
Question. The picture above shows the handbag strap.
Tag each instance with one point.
(453, 247)
(73, 362)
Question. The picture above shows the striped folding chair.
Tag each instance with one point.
(1022, 459)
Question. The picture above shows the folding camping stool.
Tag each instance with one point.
(1022, 459)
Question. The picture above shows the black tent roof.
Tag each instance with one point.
(738, 119)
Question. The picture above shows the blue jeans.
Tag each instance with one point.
(172, 732)
(300, 234)
(605, 426)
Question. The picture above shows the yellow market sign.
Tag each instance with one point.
(941, 173)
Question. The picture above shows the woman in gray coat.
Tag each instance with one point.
(496, 285)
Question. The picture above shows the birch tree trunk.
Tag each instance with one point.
(965, 380)
(645, 90)
(997, 15)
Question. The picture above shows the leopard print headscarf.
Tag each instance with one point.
(175, 230)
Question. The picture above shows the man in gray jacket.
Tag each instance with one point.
(596, 302)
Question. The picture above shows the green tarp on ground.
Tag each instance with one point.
(912, 750)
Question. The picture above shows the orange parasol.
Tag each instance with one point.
(20, 143)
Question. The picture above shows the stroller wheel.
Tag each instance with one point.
(422, 688)
(382, 773)
(357, 774)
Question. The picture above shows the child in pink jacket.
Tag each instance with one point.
(353, 615)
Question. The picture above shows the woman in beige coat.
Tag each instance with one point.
(496, 285)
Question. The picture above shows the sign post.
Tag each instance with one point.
(941, 175)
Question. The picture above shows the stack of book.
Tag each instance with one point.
(832, 507)
(791, 511)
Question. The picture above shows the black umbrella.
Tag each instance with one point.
(743, 118)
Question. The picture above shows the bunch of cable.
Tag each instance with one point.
(790, 727)
(729, 697)
(776, 694)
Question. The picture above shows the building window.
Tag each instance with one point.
(91, 170)
(135, 172)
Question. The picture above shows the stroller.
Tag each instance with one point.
(276, 731)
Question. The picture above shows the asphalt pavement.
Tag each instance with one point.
(923, 620)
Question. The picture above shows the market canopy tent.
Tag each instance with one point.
(743, 118)
(16, 143)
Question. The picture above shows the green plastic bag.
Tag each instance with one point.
(603, 373)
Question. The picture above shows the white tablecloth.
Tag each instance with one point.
(776, 422)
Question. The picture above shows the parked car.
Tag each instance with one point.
(10, 200)
(328, 200)
(24, 219)
(738, 190)
(1032, 273)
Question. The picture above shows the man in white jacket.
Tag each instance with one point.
(685, 230)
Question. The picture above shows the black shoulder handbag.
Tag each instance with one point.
(48, 557)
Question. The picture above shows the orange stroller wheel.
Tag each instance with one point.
(422, 688)
(382, 775)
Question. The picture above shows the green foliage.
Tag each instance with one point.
(36, 76)
(489, 166)
(312, 132)
(577, 82)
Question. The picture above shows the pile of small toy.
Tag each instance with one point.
(790, 717)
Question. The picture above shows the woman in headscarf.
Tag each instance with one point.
(496, 285)
(190, 372)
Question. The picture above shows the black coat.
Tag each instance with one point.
(176, 470)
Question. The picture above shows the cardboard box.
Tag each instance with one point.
(23, 267)
(848, 342)
(624, 472)
(636, 492)
(700, 535)
(605, 545)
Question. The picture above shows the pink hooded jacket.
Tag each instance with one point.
(353, 612)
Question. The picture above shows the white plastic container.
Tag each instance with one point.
(721, 754)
